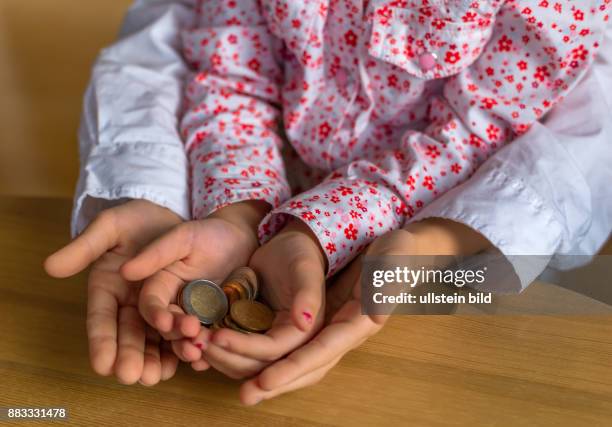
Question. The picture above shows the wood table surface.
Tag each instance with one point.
(420, 370)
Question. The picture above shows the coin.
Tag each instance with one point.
(245, 278)
(205, 300)
(235, 292)
(252, 315)
(229, 323)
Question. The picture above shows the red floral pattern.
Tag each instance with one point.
(375, 136)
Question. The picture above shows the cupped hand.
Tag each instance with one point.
(345, 326)
(209, 248)
(291, 268)
(119, 341)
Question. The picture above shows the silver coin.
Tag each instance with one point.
(205, 300)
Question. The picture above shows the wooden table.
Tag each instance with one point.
(421, 370)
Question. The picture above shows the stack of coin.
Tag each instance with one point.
(231, 305)
(240, 284)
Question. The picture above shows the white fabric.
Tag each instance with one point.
(547, 193)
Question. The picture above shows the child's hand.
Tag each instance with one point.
(119, 341)
(347, 328)
(209, 248)
(291, 267)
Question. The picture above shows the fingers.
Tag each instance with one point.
(151, 371)
(169, 361)
(131, 346)
(100, 236)
(186, 351)
(102, 328)
(278, 341)
(172, 246)
(232, 365)
(190, 350)
(251, 393)
(309, 284)
(200, 365)
(156, 296)
(331, 343)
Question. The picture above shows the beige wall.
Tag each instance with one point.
(46, 51)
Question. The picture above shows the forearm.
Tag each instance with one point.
(129, 144)
(231, 121)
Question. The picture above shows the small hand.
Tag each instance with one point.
(209, 248)
(291, 267)
(119, 341)
(345, 327)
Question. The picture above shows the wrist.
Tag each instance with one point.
(246, 214)
(441, 236)
(296, 226)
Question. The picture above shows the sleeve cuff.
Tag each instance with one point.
(345, 215)
(487, 203)
(153, 172)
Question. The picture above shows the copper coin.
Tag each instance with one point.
(243, 277)
(252, 315)
(235, 292)
(205, 300)
(229, 323)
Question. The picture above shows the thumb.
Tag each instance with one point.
(99, 237)
(308, 282)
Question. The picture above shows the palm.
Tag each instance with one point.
(118, 337)
(215, 247)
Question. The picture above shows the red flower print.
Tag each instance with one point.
(428, 182)
(456, 168)
(469, 17)
(580, 53)
(331, 248)
(505, 44)
(281, 11)
(209, 181)
(254, 65)
(410, 182)
(452, 57)
(578, 15)
(541, 73)
(522, 65)
(215, 59)
(438, 23)
(345, 191)
(432, 151)
(350, 38)
(488, 103)
(309, 216)
(493, 132)
(324, 130)
(384, 15)
(350, 232)
(476, 141)
(392, 80)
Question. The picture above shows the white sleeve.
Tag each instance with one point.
(549, 193)
(130, 146)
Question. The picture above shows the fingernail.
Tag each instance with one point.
(199, 345)
(307, 316)
(258, 401)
